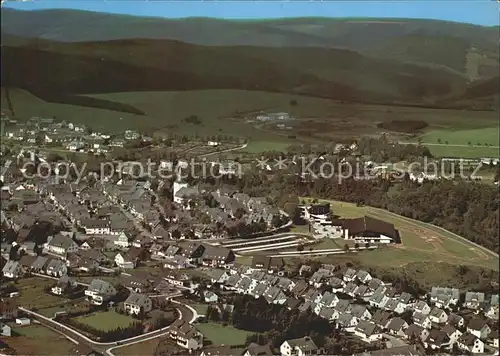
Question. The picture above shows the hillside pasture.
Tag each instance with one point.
(420, 242)
(229, 113)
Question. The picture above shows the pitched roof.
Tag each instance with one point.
(368, 224)
(304, 343)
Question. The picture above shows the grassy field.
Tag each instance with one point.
(223, 112)
(35, 338)
(32, 293)
(420, 242)
(464, 151)
(480, 136)
(147, 347)
(105, 321)
(223, 335)
(200, 308)
(464, 142)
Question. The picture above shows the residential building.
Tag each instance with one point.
(100, 291)
(437, 340)
(474, 300)
(186, 335)
(479, 327)
(63, 285)
(491, 311)
(12, 269)
(137, 303)
(397, 327)
(416, 332)
(299, 347)
(471, 343)
(438, 316)
(8, 309)
(5, 330)
(368, 331)
(60, 245)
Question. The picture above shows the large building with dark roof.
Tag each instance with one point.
(367, 229)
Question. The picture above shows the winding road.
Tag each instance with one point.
(186, 313)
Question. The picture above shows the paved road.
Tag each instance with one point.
(185, 313)
(225, 151)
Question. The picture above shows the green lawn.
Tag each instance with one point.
(200, 308)
(488, 135)
(35, 338)
(464, 152)
(263, 146)
(32, 293)
(223, 335)
(105, 321)
(420, 241)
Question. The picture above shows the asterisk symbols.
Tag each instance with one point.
(262, 163)
(280, 163)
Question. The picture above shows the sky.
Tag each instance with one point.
(479, 12)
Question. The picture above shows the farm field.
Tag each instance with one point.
(32, 293)
(223, 335)
(105, 321)
(34, 338)
(420, 242)
(222, 112)
(147, 347)
(464, 151)
(481, 136)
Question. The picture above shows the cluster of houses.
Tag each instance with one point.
(225, 206)
(74, 137)
(369, 308)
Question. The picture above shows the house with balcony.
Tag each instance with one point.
(100, 291)
(137, 303)
(185, 335)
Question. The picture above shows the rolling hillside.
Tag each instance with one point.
(427, 41)
(50, 69)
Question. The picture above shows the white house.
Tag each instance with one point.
(298, 347)
(210, 297)
(474, 300)
(122, 261)
(121, 241)
(422, 320)
(63, 284)
(100, 291)
(492, 309)
(422, 307)
(96, 226)
(479, 328)
(60, 245)
(438, 316)
(186, 335)
(368, 331)
(12, 269)
(136, 303)
(453, 333)
(5, 330)
(471, 343)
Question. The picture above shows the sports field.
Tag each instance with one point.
(420, 241)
